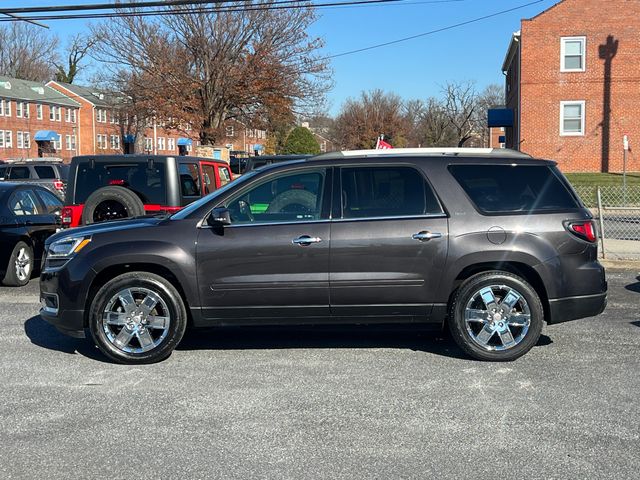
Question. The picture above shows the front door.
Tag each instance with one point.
(272, 262)
(388, 243)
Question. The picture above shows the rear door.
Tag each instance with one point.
(388, 243)
(190, 182)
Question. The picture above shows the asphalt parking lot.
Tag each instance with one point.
(338, 403)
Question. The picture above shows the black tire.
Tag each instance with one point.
(11, 277)
(121, 201)
(468, 335)
(135, 282)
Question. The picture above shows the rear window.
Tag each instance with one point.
(44, 171)
(514, 188)
(148, 183)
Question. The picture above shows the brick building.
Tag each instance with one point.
(241, 138)
(573, 84)
(36, 121)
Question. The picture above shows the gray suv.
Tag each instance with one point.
(489, 243)
(48, 173)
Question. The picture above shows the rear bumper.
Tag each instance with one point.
(572, 308)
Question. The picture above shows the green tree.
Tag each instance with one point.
(301, 141)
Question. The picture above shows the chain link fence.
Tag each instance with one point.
(617, 213)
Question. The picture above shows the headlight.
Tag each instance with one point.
(67, 246)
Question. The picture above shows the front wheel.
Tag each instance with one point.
(496, 316)
(137, 318)
(20, 266)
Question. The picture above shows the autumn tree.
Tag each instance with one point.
(253, 64)
(27, 52)
(301, 141)
(362, 120)
(76, 51)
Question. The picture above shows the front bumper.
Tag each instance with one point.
(572, 308)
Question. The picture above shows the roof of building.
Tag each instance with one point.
(92, 95)
(511, 51)
(17, 89)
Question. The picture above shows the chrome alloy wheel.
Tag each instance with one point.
(136, 320)
(23, 265)
(497, 317)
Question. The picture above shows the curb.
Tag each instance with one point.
(621, 264)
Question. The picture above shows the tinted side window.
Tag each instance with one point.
(50, 201)
(19, 173)
(293, 197)
(147, 182)
(508, 188)
(189, 179)
(44, 171)
(3, 172)
(23, 202)
(369, 192)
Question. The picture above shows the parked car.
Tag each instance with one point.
(112, 187)
(491, 243)
(262, 160)
(238, 164)
(51, 174)
(29, 214)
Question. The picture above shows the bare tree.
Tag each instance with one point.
(460, 106)
(204, 68)
(432, 127)
(27, 52)
(362, 120)
(491, 97)
(76, 51)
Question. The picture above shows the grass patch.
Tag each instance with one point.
(602, 179)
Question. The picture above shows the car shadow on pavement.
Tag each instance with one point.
(634, 287)
(258, 338)
(45, 335)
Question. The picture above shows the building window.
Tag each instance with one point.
(22, 110)
(572, 54)
(160, 143)
(70, 141)
(57, 144)
(115, 142)
(229, 130)
(572, 118)
(23, 140)
(1, 139)
(54, 113)
(102, 142)
(5, 107)
(171, 144)
(39, 111)
(70, 115)
(101, 115)
(8, 142)
(148, 144)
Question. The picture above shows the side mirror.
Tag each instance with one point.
(219, 216)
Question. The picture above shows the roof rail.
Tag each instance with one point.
(40, 159)
(447, 151)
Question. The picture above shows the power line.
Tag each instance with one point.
(276, 5)
(431, 32)
(20, 19)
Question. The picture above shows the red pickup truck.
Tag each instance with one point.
(111, 187)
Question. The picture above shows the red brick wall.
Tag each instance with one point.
(32, 125)
(544, 86)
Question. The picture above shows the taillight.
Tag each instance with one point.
(585, 230)
(58, 185)
(66, 216)
(117, 182)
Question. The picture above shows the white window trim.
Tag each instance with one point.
(563, 41)
(39, 111)
(583, 116)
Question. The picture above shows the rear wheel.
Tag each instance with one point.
(137, 317)
(496, 316)
(111, 203)
(20, 266)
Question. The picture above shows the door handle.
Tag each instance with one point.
(425, 236)
(305, 240)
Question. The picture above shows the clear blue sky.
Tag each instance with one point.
(413, 69)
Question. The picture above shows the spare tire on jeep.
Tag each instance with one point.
(111, 203)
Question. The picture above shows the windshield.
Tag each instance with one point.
(192, 207)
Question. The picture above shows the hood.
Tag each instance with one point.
(105, 227)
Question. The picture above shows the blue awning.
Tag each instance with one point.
(184, 141)
(257, 147)
(500, 117)
(45, 136)
(129, 139)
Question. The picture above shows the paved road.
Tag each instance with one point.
(329, 404)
